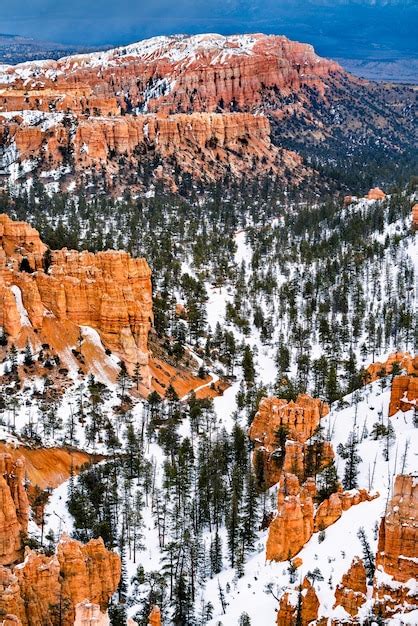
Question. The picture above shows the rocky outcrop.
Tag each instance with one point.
(205, 145)
(278, 421)
(168, 74)
(397, 550)
(194, 103)
(414, 217)
(293, 523)
(14, 509)
(402, 360)
(47, 591)
(108, 291)
(88, 614)
(351, 592)
(305, 603)
(404, 394)
(376, 194)
(331, 509)
(296, 520)
(155, 617)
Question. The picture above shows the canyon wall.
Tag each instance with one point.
(168, 74)
(108, 291)
(296, 518)
(205, 145)
(404, 394)
(394, 586)
(14, 509)
(59, 590)
(198, 104)
(295, 422)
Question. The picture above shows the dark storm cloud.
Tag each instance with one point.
(336, 28)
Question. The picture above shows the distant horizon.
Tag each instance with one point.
(340, 29)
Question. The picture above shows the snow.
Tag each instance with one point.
(177, 49)
(24, 317)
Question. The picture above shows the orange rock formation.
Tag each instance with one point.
(415, 217)
(14, 508)
(108, 291)
(288, 608)
(192, 101)
(49, 467)
(203, 144)
(155, 617)
(403, 359)
(296, 520)
(330, 510)
(293, 524)
(47, 591)
(376, 194)
(351, 592)
(397, 550)
(404, 394)
(299, 420)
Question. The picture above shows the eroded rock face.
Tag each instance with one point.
(297, 421)
(351, 592)
(331, 509)
(296, 519)
(404, 360)
(195, 101)
(293, 524)
(404, 394)
(14, 509)
(414, 217)
(155, 616)
(397, 550)
(288, 607)
(376, 194)
(169, 74)
(108, 291)
(205, 145)
(88, 614)
(77, 581)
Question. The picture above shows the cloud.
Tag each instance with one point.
(366, 24)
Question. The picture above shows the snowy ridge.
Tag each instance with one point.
(176, 49)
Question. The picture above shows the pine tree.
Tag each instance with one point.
(248, 366)
(369, 560)
(250, 512)
(328, 482)
(28, 358)
(350, 479)
(137, 376)
(216, 554)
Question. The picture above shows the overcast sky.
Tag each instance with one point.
(334, 27)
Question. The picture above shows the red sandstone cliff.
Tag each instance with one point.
(397, 551)
(351, 592)
(47, 591)
(296, 519)
(14, 509)
(170, 74)
(298, 421)
(108, 291)
(208, 92)
(404, 394)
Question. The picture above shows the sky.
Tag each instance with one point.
(376, 28)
